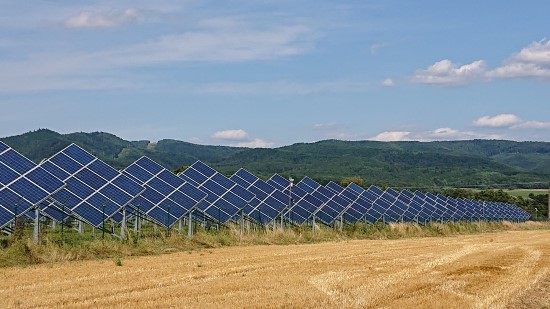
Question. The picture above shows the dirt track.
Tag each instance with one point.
(509, 269)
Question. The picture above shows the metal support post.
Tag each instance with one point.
(36, 231)
(103, 222)
(80, 227)
(242, 222)
(190, 225)
(123, 224)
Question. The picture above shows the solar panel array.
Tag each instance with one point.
(23, 184)
(73, 182)
(94, 191)
(269, 204)
(167, 198)
(225, 197)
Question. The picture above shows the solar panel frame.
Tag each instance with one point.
(304, 204)
(86, 187)
(31, 186)
(271, 202)
(334, 206)
(173, 196)
(216, 206)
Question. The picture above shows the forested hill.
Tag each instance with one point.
(491, 163)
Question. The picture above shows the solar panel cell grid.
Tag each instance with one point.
(69, 165)
(7, 175)
(149, 165)
(16, 161)
(3, 147)
(31, 192)
(204, 169)
(78, 154)
(138, 173)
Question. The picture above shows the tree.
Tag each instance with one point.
(180, 169)
(355, 179)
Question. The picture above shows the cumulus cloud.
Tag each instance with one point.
(446, 73)
(532, 125)
(532, 61)
(388, 82)
(230, 135)
(440, 134)
(392, 136)
(255, 143)
(91, 19)
(240, 138)
(498, 121)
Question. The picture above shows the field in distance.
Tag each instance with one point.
(504, 269)
(525, 192)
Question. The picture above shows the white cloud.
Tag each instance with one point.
(240, 138)
(440, 134)
(225, 40)
(532, 125)
(532, 61)
(446, 73)
(231, 135)
(255, 143)
(388, 82)
(392, 136)
(498, 121)
(91, 19)
(449, 134)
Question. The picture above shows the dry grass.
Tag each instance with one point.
(491, 270)
(76, 247)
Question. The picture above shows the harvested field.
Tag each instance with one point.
(505, 269)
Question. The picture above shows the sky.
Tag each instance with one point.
(268, 73)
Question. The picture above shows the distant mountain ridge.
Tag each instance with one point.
(408, 164)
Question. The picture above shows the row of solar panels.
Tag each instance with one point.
(75, 183)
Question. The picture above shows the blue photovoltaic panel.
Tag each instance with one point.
(370, 198)
(95, 191)
(271, 202)
(23, 185)
(167, 197)
(413, 213)
(303, 204)
(334, 206)
(225, 198)
(439, 208)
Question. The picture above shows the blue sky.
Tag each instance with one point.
(271, 73)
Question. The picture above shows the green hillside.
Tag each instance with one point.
(476, 163)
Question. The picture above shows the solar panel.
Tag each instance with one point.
(225, 198)
(303, 205)
(271, 202)
(413, 213)
(95, 191)
(23, 184)
(334, 206)
(373, 211)
(167, 197)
